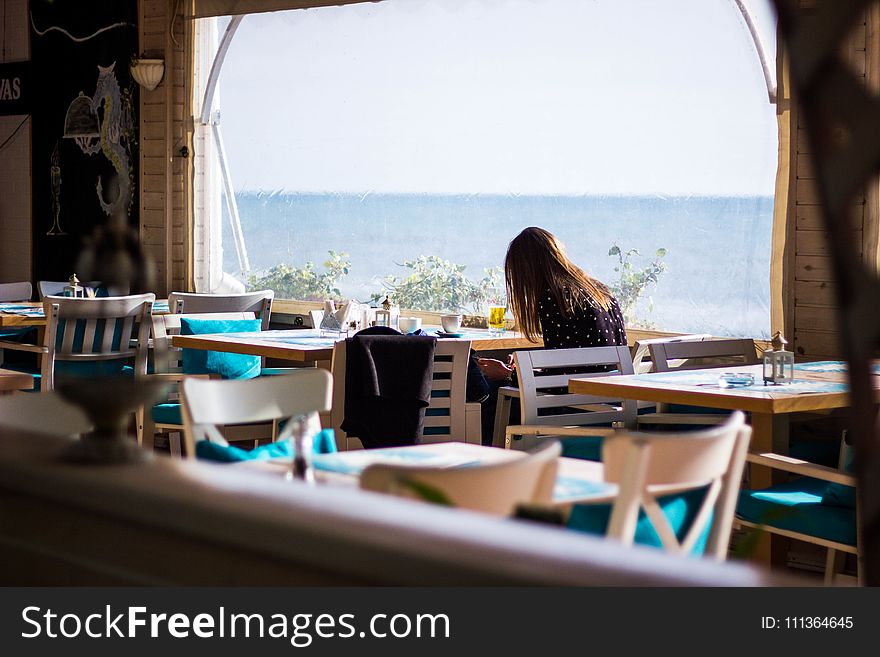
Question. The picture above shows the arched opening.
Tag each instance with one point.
(397, 142)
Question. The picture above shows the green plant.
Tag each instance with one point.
(633, 281)
(305, 283)
(435, 284)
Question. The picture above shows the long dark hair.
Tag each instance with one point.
(536, 262)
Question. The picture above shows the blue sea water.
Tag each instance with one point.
(718, 247)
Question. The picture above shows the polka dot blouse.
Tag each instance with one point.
(589, 326)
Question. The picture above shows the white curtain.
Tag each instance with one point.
(208, 271)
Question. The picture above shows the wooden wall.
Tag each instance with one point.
(15, 160)
(166, 148)
(811, 307)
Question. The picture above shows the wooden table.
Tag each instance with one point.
(306, 345)
(11, 381)
(8, 319)
(577, 481)
(770, 406)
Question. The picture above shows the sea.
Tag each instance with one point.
(717, 247)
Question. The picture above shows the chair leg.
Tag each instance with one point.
(147, 428)
(830, 566)
(174, 444)
(139, 425)
(502, 419)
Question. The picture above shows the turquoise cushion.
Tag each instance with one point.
(277, 371)
(17, 334)
(797, 506)
(227, 365)
(66, 371)
(696, 410)
(681, 409)
(841, 494)
(679, 509)
(90, 370)
(822, 452)
(324, 443)
(588, 448)
(167, 414)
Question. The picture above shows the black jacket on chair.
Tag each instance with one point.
(387, 386)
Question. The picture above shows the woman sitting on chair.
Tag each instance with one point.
(550, 296)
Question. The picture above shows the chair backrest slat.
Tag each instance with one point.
(110, 327)
(127, 329)
(70, 326)
(694, 354)
(611, 355)
(641, 349)
(88, 344)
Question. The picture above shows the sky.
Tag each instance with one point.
(558, 97)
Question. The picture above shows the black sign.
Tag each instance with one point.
(15, 91)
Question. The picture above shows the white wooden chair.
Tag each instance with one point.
(168, 365)
(688, 355)
(46, 413)
(93, 330)
(641, 350)
(647, 467)
(107, 327)
(448, 418)
(565, 415)
(16, 291)
(211, 405)
(784, 523)
(495, 488)
(259, 303)
(50, 288)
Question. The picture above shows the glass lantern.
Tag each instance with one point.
(383, 317)
(73, 288)
(388, 315)
(778, 362)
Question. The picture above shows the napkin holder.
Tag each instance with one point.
(330, 325)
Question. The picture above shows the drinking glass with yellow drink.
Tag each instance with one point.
(497, 308)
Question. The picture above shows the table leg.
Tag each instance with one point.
(769, 434)
(333, 419)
